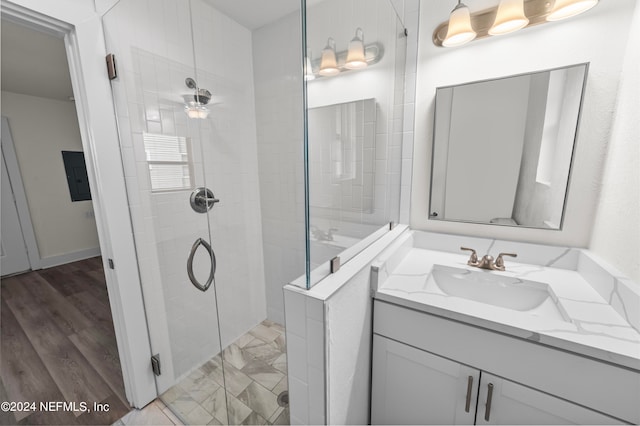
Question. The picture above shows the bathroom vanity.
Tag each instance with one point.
(551, 340)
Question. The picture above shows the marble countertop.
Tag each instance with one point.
(590, 327)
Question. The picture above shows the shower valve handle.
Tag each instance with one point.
(208, 200)
(202, 200)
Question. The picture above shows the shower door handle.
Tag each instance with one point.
(200, 242)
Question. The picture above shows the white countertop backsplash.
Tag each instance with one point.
(602, 306)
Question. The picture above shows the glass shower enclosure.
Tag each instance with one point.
(185, 104)
(354, 72)
(236, 188)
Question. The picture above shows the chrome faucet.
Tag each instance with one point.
(321, 235)
(487, 261)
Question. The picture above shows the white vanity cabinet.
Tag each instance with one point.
(413, 387)
(430, 370)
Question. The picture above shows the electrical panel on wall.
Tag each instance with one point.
(77, 178)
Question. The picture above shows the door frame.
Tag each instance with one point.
(78, 24)
(19, 194)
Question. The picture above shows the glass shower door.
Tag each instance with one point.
(355, 119)
(185, 105)
(254, 360)
(161, 111)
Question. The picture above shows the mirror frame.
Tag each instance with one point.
(574, 142)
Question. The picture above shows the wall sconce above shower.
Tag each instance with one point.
(331, 63)
(506, 17)
(195, 105)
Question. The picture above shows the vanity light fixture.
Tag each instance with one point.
(459, 30)
(563, 9)
(358, 56)
(329, 61)
(355, 56)
(509, 18)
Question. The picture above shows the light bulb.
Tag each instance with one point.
(355, 56)
(509, 18)
(329, 63)
(195, 110)
(563, 9)
(459, 30)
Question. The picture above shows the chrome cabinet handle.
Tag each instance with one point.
(200, 242)
(487, 410)
(467, 404)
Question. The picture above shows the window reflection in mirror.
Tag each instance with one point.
(342, 156)
(503, 148)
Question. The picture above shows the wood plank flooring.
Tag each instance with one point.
(58, 344)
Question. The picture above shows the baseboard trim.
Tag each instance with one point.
(62, 259)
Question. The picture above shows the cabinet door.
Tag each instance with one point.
(411, 386)
(504, 402)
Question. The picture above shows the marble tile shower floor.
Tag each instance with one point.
(255, 374)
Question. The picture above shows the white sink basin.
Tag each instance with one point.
(497, 290)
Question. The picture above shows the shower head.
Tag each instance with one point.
(191, 83)
(201, 96)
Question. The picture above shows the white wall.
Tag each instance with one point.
(542, 47)
(616, 234)
(41, 129)
(279, 129)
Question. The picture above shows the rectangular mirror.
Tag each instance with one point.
(502, 149)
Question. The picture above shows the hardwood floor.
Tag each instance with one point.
(58, 344)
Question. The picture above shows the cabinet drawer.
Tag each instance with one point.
(603, 387)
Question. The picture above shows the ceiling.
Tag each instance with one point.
(253, 14)
(34, 63)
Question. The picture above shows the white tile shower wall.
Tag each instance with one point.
(339, 19)
(305, 356)
(410, 10)
(154, 50)
(279, 127)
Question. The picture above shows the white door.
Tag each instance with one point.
(502, 402)
(12, 246)
(411, 386)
